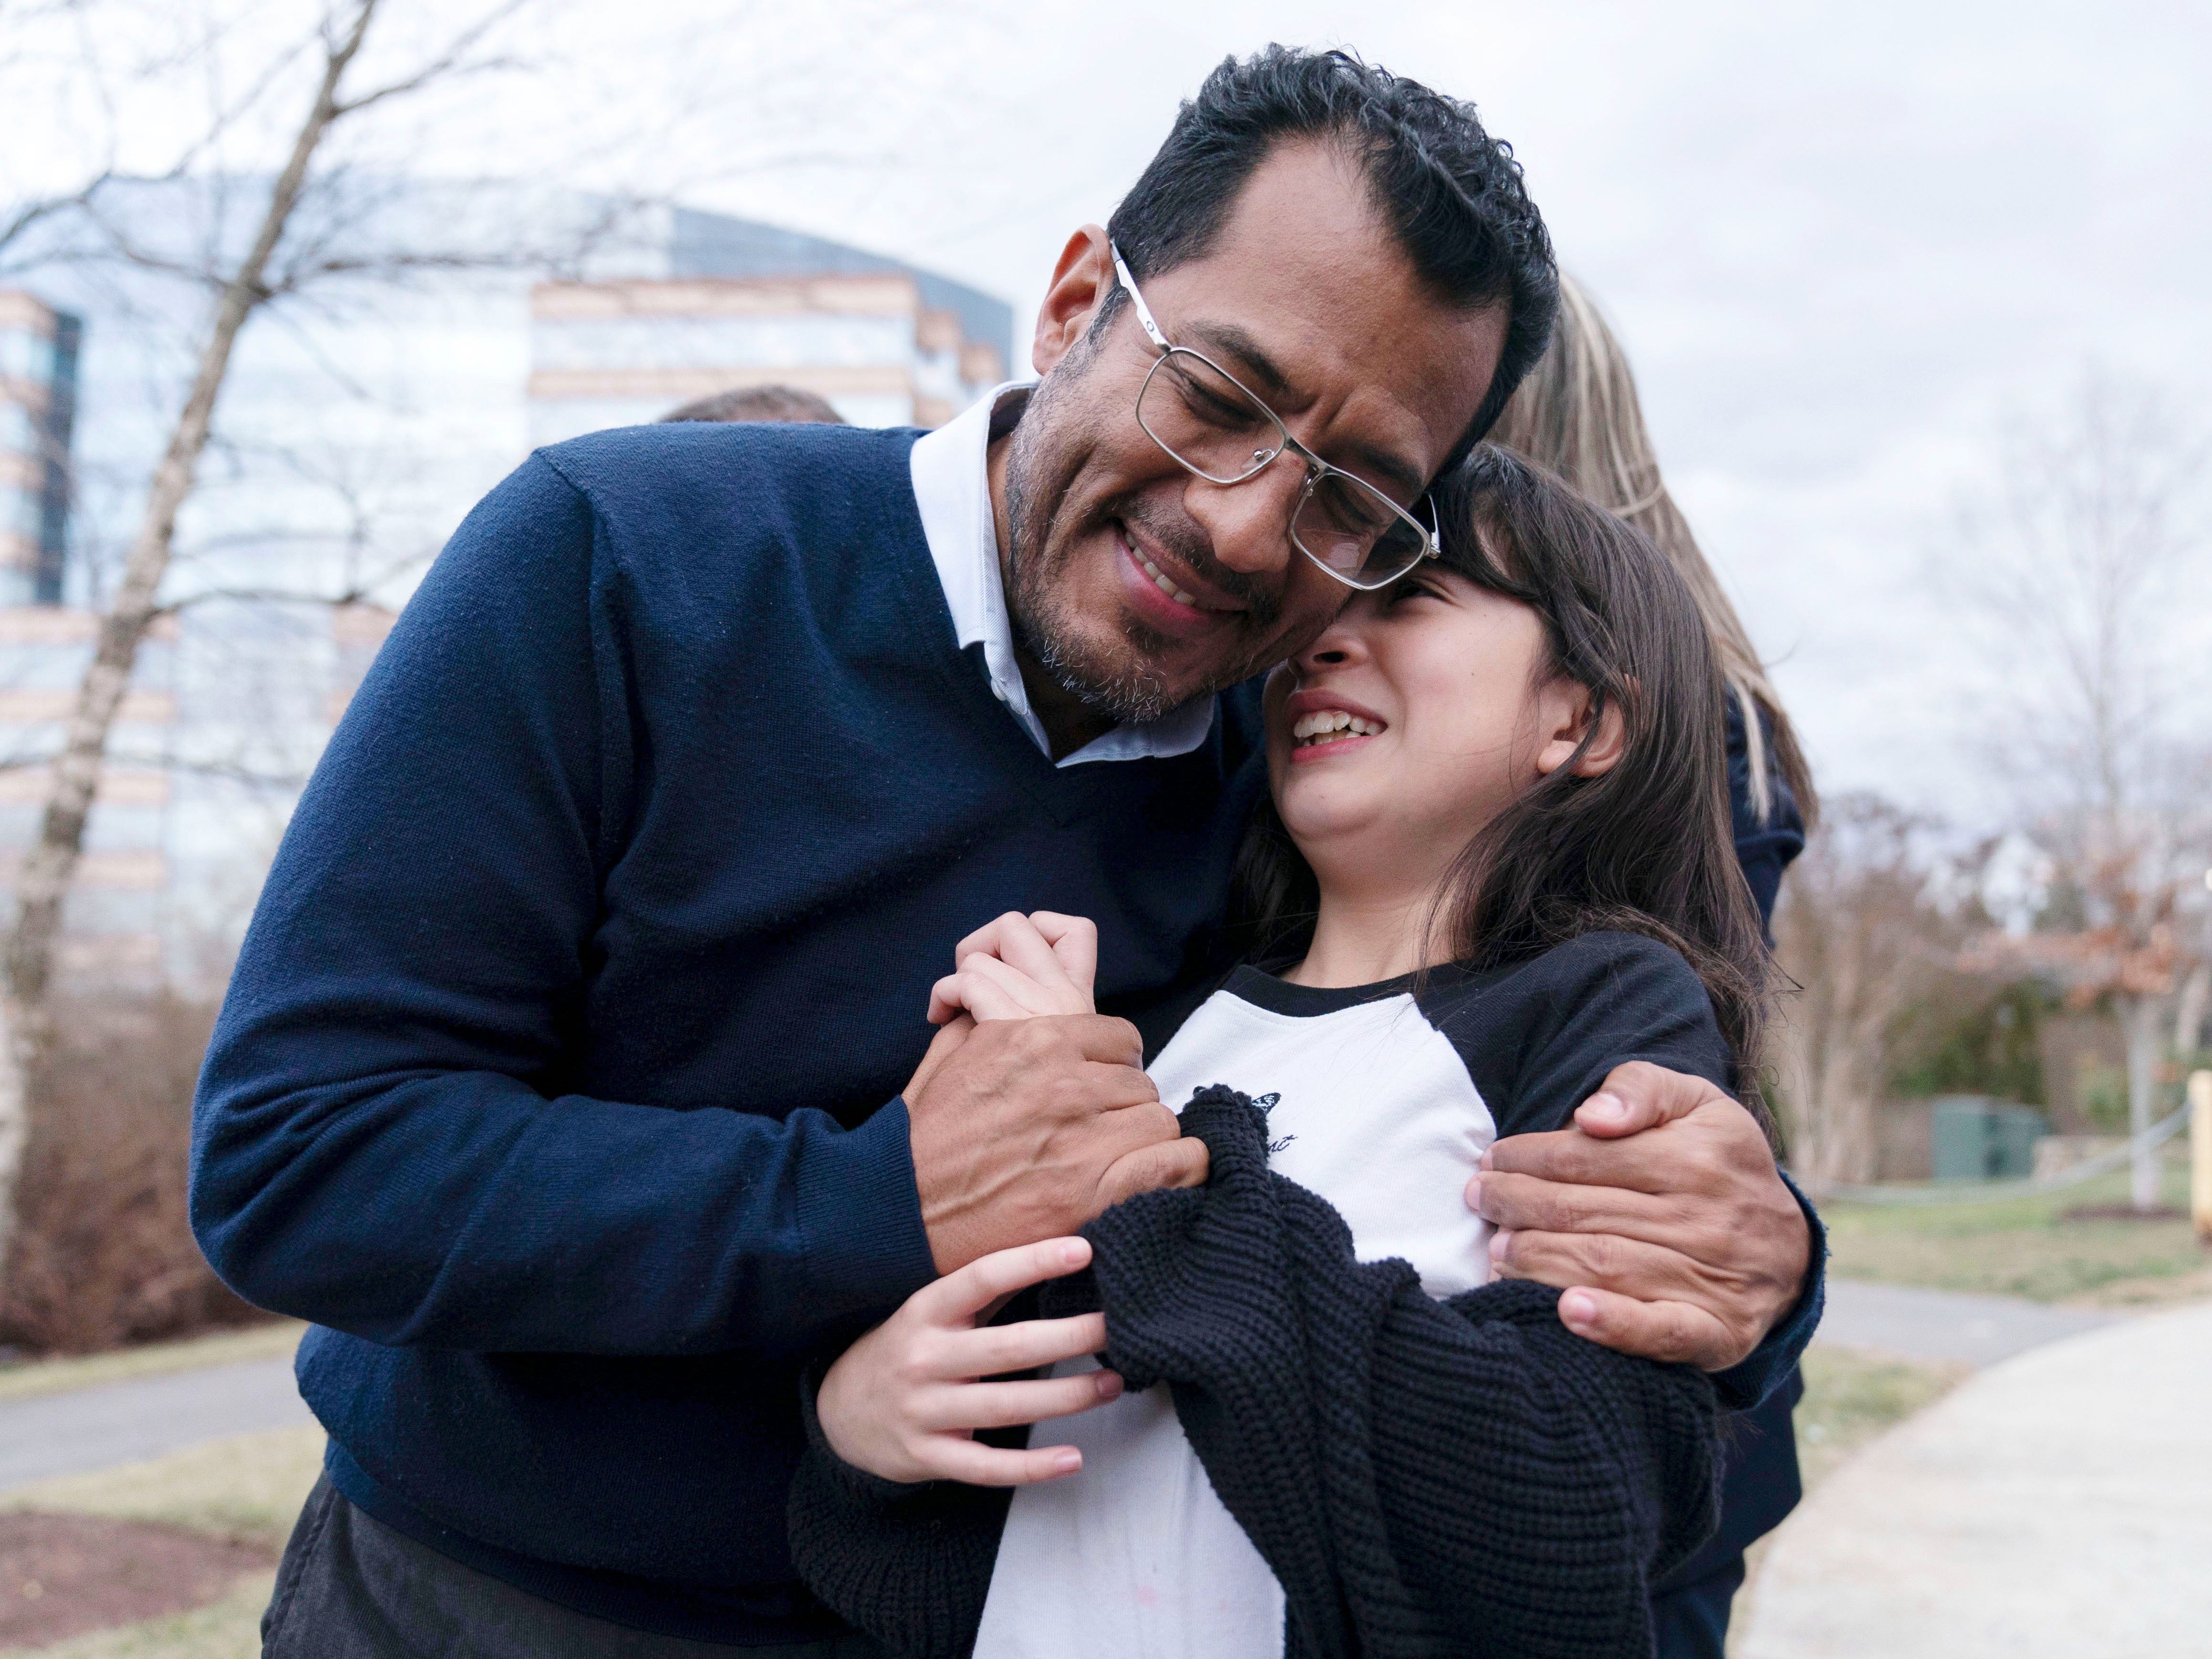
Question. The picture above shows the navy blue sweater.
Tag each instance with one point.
(556, 1084)
(552, 1080)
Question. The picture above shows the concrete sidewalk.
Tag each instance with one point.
(1946, 1325)
(112, 1423)
(2058, 1504)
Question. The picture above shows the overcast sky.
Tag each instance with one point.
(1841, 244)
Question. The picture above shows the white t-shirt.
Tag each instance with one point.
(1135, 1555)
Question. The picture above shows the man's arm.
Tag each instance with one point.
(1662, 1216)
(388, 1136)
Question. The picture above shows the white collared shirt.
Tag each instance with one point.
(953, 489)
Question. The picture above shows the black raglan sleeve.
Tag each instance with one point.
(1541, 1039)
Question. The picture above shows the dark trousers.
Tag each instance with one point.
(350, 1588)
(1759, 1487)
(1692, 1622)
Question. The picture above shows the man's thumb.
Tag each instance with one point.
(1183, 1163)
(1640, 1096)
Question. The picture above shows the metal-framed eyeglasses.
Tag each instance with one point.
(1214, 426)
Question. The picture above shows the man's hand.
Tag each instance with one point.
(1660, 1216)
(1024, 1129)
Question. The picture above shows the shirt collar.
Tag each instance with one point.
(953, 489)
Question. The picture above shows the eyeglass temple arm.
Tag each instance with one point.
(1144, 312)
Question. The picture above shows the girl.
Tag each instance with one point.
(1496, 861)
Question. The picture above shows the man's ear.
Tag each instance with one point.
(1080, 283)
(1570, 721)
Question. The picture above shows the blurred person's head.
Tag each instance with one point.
(1352, 248)
(760, 403)
(1578, 415)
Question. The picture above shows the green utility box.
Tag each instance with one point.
(1975, 1138)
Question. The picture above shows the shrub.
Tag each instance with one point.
(104, 1254)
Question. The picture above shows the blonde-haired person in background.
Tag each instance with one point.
(1578, 415)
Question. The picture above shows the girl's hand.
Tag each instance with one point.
(902, 1401)
(1018, 967)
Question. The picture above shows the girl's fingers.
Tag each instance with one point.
(968, 1406)
(986, 994)
(1017, 988)
(995, 1350)
(1016, 942)
(1074, 942)
(950, 1458)
(957, 1298)
(945, 1000)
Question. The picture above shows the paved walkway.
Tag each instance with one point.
(1980, 1330)
(116, 1422)
(2059, 1504)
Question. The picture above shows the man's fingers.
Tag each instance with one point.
(952, 1458)
(1640, 1096)
(1649, 1273)
(961, 1295)
(1525, 1203)
(1671, 1332)
(1570, 1157)
(1180, 1163)
(998, 1405)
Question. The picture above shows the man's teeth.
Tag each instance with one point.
(1331, 725)
(1166, 586)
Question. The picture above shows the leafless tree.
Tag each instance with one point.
(284, 255)
(1858, 931)
(297, 129)
(2069, 572)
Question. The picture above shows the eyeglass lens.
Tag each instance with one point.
(1213, 427)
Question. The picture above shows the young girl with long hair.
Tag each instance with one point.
(1496, 862)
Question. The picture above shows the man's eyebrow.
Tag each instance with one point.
(1254, 364)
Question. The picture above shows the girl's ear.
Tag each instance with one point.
(1572, 723)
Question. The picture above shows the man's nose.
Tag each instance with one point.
(1248, 523)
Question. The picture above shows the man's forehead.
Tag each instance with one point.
(1306, 291)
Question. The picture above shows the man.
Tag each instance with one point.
(573, 1079)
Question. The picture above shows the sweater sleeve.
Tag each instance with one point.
(1423, 1477)
(388, 1139)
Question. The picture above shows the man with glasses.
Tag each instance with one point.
(573, 1079)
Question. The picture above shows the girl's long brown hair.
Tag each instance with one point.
(1577, 414)
(1645, 847)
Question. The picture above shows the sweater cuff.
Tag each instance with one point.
(1748, 1384)
(855, 1482)
(861, 1214)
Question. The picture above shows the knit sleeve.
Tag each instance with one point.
(1464, 1477)
(909, 1565)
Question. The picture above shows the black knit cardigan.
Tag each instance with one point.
(1424, 1477)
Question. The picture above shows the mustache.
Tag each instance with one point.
(1262, 607)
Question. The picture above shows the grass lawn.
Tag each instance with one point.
(2021, 1247)
(246, 1485)
(1851, 1396)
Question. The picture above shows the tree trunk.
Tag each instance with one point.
(26, 1013)
(2141, 1016)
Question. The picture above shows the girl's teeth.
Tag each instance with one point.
(1332, 725)
(1160, 581)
